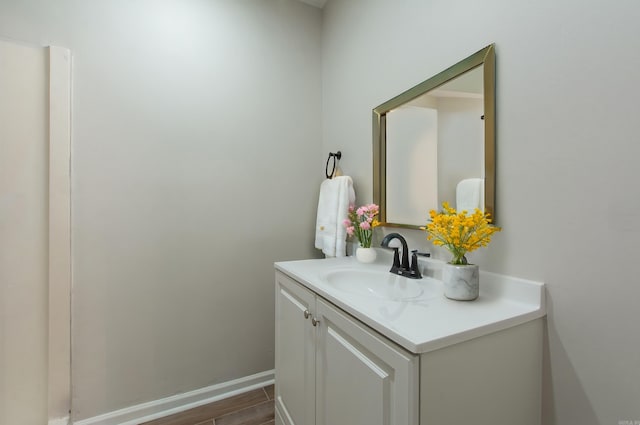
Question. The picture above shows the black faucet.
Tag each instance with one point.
(403, 269)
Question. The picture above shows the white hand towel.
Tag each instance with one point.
(333, 207)
(470, 195)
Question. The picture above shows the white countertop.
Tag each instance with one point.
(429, 323)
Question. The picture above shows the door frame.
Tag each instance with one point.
(59, 332)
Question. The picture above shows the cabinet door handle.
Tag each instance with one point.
(306, 314)
(314, 321)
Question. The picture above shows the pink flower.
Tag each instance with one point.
(361, 211)
(365, 225)
(350, 230)
(351, 208)
(346, 222)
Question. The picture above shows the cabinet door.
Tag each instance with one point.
(361, 377)
(295, 353)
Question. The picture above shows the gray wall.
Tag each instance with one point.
(196, 162)
(567, 134)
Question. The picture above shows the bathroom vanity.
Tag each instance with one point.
(356, 345)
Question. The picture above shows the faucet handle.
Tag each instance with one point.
(415, 267)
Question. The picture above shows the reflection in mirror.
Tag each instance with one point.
(435, 143)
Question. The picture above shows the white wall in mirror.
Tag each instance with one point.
(433, 143)
(461, 144)
(412, 164)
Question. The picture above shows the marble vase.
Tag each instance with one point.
(366, 255)
(461, 282)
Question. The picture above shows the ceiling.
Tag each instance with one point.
(317, 3)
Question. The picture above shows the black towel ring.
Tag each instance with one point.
(336, 157)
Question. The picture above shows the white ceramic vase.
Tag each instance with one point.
(461, 282)
(366, 255)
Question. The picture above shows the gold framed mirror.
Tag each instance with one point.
(436, 142)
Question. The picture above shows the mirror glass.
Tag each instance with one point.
(435, 143)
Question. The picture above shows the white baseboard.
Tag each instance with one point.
(178, 403)
(59, 421)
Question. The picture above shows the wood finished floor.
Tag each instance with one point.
(251, 408)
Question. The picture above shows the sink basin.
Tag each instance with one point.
(382, 285)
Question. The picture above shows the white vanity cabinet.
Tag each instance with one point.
(345, 358)
(333, 370)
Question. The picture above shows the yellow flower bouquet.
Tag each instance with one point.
(458, 232)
